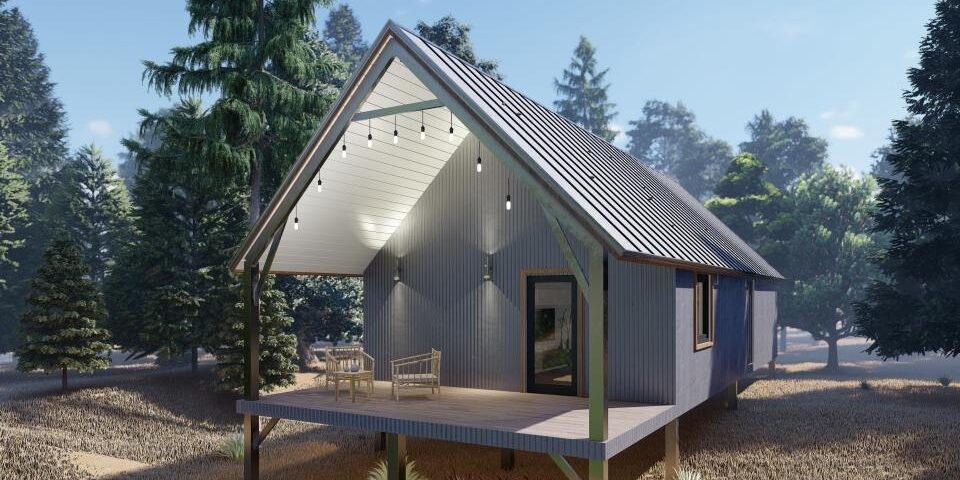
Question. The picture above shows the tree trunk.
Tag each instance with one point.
(63, 378)
(194, 360)
(833, 358)
(255, 188)
(307, 358)
(783, 339)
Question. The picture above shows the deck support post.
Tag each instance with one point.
(731, 395)
(251, 387)
(671, 449)
(381, 441)
(598, 469)
(396, 457)
(508, 458)
(597, 354)
(772, 367)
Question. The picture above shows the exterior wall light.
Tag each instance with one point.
(486, 267)
(396, 271)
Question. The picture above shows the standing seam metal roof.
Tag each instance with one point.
(648, 211)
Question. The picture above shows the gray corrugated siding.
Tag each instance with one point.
(640, 335)
(645, 211)
(441, 301)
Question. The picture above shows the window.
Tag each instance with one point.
(703, 311)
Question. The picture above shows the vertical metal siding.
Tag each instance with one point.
(441, 300)
(764, 321)
(641, 345)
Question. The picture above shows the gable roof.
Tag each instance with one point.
(639, 212)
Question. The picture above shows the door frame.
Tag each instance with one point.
(522, 295)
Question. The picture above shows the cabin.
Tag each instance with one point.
(581, 300)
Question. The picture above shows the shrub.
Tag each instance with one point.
(232, 447)
(945, 381)
(684, 474)
(865, 385)
(379, 472)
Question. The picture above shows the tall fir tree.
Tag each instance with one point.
(278, 347)
(172, 284)
(92, 206)
(746, 202)
(60, 330)
(14, 198)
(583, 92)
(913, 307)
(453, 36)
(785, 147)
(344, 36)
(668, 138)
(271, 86)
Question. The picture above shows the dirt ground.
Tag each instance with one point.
(139, 421)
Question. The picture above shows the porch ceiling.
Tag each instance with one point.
(367, 194)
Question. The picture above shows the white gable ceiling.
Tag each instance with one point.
(368, 193)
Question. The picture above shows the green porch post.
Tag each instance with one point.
(597, 353)
(396, 457)
(251, 387)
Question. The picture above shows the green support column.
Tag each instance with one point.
(396, 457)
(597, 353)
(251, 388)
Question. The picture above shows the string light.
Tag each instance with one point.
(450, 138)
(369, 135)
(396, 135)
(508, 204)
(296, 218)
(423, 129)
(343, 151)
(479, 161)
(319, 185)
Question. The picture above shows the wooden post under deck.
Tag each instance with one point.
(396, 457)
(251, 387)
(508, 458)
(731, 395)
(671, 449)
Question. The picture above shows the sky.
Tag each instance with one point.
(841, 66)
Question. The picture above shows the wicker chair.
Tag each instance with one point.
(338, 362)
(418, 371)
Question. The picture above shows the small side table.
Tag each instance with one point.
(355, 378)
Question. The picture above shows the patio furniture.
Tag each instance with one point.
(417, 371)
(348, 364)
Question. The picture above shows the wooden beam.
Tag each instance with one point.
(598, 469)
(396, 457)
(597, 347)
(567, 250)
(671, 450)
(251, 447)
(397, 109)
(251, 387)
(268, 262)
(508, 459)
(565, 467)
(267, 429)
(732, 396)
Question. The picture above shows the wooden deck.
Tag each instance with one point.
(522, 421)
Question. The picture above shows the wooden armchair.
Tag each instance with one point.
(339, 360)
(417, 371)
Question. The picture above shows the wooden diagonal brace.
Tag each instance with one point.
(567, 250)
(565, 467)
(267, 429)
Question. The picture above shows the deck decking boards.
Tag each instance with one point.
(522, 421)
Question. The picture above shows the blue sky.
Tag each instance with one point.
(839, 65)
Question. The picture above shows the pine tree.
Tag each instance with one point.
(32, 125)
(344, 36)
(745, 201)
(92, 206)
(278, 348)
(668, 139)
(785, 147)
(14, 197)
(454, 37)
(583, 92)
(271, 86)
(913, 308)
(60, 330)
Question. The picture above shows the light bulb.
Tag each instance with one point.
(343, 151)
(508, 204)
(319, 186)
(479, 165)
(396, 137)
(296, 223)
(369, 140)
(450, 138)
(423, 132)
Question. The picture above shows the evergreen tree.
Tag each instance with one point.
(271, 85)
(668, 139)
(583, 92)
(32, 125)
(746, 202)
(343, 35)
(278, 348)
(91, 205)
(823, 241)
(454, 37)
(60, 330)
(14, 197)
(785, 147)
(913, 308)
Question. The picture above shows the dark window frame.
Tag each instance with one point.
(700, 341)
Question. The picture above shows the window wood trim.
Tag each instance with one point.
(711, 282)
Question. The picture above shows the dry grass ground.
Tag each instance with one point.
(801, 425)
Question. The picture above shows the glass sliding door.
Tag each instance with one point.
(552, 321)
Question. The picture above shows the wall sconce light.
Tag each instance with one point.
(396, 271)
(486, 267)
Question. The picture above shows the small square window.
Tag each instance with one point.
(703, 311)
